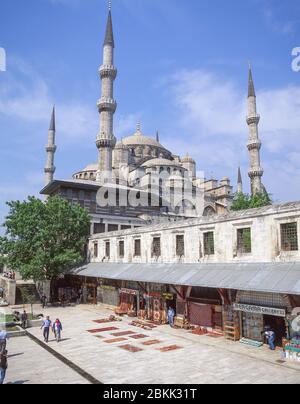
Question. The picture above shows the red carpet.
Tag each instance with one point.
(102, 330)
(130, 348)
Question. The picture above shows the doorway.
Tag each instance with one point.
(278, 325)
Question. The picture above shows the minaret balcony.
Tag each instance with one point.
(251, 120)
(107, 104)
(254, 144)
(108, 71)
(106, 142)
(51, 149)
(50, 170)
(256, 172)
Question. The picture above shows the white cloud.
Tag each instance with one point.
(211, 112)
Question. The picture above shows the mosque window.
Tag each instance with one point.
(107, 249)
(137, 248)
(208, 240)
(289, 237)
(244, 241)
(180, 245)
(95, 250)
(112, 227)
(121, 249)
(156, 247)
(99, 228)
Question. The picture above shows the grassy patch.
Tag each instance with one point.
(9, 329)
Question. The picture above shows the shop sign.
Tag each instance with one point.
(129, 291)
(168, 296)
(154, 294)
(107, 287)
(268, 311)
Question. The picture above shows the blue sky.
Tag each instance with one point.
(182, 69)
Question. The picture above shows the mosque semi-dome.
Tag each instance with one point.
(161, 162)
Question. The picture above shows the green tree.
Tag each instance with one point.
(244, 201)
(44, 239)
(28, 298)
(240, 201)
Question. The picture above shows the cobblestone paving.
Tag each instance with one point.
(28, 363)
(200, 360)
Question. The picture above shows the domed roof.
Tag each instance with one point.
(188, 159)
(161, 162)
(91, 167)
(120, 145)
(138, 139)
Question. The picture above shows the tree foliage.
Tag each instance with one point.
(44, 239)
(244, 201)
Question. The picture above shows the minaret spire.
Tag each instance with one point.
(254, 144)
(157, 136)
(106, 140)
(50, 150)
(240, 182)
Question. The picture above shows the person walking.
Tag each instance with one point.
(24, 319)
(57, 329)
(171, 315)
(271, 338)
(3, 340)
(46, 328)
(3, 366)
(44, 301)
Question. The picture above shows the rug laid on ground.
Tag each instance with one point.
(139, 336)
(169, 348)
(151, 342)
(130, 348)
(96, 330)
(122, 333)
(115, 340)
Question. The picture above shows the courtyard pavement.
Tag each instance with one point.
(28, 363)
(160, 355)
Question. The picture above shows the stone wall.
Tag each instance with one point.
(265, 238)
(9, 287)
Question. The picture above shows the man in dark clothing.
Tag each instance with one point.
(3, 366)
(24, 319)
(44, 301)
(3, 340)
(46, 327)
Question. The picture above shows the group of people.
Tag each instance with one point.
(3, 355)
(55, 326)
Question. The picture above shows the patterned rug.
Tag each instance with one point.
(102, 330)
(169, 348)
(115, 340)
(139, 336)
(122, 333)
(130, 348)
(152, 342)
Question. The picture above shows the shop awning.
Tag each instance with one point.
(258, 277)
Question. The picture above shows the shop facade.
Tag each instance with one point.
(258, 312)
(204, 308)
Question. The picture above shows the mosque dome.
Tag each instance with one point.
(161, 162)
(139, 139)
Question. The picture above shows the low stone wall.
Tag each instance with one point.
(9, 286)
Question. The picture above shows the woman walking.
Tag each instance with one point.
(57, 329)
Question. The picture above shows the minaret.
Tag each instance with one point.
(106, 140)
(50, 149)
(157, 136)
(240, 182)
(254, 144)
